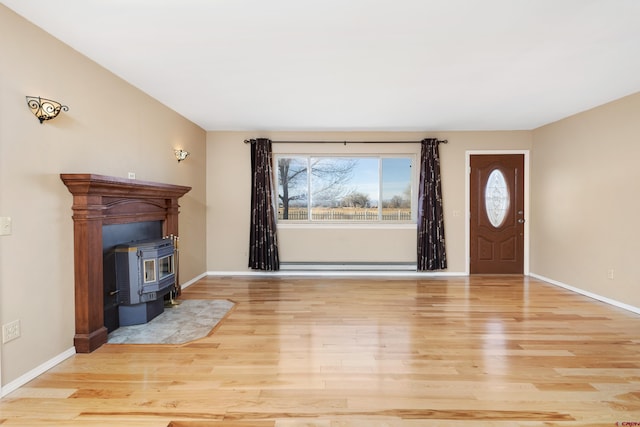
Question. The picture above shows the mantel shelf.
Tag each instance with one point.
(101, 200)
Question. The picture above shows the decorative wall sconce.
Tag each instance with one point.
(181, 154)
(45, 109)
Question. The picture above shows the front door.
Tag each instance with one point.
(497, 214)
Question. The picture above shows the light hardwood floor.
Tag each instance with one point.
(366, 352)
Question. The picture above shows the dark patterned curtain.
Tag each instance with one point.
(431, 249)
(263, 246)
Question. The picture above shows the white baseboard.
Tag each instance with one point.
(325, 273)
(587, 293)
(32, 374)
(194, 280)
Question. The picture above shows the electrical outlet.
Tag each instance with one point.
(131, 175)
(610, 274)
(10, 331)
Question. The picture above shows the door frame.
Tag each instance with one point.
(467, 210)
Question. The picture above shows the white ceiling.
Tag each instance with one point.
(359, 64)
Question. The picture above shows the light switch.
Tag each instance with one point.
(5, 225)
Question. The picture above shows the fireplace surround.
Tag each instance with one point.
(103, 200)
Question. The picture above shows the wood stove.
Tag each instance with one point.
(143, 273)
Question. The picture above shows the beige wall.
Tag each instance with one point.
(111, 128)
(585, 197)
(229, 178)
(582, 169)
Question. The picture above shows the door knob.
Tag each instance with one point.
(521, 221)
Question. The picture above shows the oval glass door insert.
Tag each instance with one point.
(496, 198)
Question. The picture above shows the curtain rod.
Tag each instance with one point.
(440, 141)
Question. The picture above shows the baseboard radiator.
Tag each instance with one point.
(348, 266)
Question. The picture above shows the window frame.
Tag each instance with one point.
(378, 223)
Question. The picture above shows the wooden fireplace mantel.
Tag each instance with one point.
(102, 200)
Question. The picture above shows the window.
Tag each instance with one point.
(345, 189)
(165, 266)
(149, 270)
(496, 198)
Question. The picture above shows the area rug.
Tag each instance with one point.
(188, 321)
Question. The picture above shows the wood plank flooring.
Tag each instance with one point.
(365, 352)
